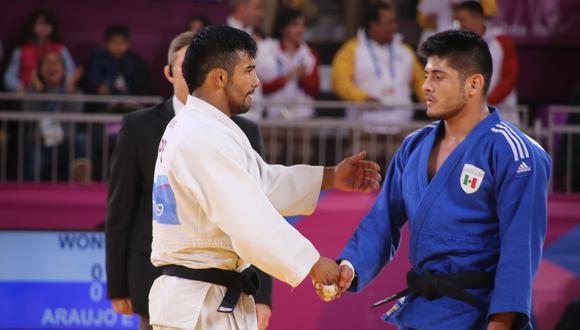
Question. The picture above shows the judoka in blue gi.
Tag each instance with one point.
(473, 190)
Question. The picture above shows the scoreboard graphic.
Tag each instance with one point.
(55, 280)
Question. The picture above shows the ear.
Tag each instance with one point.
(167, 74)
(475, 84)
(219, 77)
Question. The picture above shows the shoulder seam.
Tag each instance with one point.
(432, 125)
(517, 145)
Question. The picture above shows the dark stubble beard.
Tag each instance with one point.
(236, 107)
(455, 107)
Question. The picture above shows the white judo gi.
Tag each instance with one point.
(217, 204)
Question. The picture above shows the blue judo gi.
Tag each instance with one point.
(484, 210)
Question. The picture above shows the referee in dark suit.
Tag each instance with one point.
(128, 226)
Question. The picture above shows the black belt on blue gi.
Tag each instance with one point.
(236, 283)
(433, 286)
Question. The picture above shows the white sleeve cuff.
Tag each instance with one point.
(347, 263)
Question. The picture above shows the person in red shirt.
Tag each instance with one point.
(40, 34)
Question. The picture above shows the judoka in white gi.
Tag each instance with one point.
(217, 205)
(473, 189)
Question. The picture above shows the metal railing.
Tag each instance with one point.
(562, 137)
(85, 98)
(22, 133)
(318, 141)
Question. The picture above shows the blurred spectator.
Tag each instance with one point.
(289, 72)
(40, 160)
(308, 8)
(39, 34)
(502, 90)
(116, 69)
(437, 15)
(353, 13)
(247, 16)
(50, 76)
(288, 68)
(198, 22)
(376, 66)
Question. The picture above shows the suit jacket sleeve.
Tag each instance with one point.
(122, 203)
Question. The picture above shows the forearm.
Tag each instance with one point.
(328, 178)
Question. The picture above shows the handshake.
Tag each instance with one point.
(330, 280)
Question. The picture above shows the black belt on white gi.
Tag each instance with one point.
(236, 283)
(433, 286)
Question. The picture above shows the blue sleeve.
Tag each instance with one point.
(522, 213)
(11, 80)
(69, 63)
(377, 238)
(96, 72)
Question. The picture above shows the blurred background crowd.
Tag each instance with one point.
(309, 51)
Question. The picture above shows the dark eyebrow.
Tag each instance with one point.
(251, 67)
(435, 71)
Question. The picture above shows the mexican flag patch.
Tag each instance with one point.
(471, 178)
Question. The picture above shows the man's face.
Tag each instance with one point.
(445, 93)
(383, 30)
(469, 22)
(178, 81)
(241, 85)
(117, 46)
(253, 12)
(52, 69)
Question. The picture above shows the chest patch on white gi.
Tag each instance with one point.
(470, 179)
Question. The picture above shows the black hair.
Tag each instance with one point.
(117, 30)
(285, 17)
(27, 32)
(372, 13)
(472, 7)
(215, 46)
(465, 52)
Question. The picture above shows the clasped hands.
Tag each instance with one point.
(329, 279)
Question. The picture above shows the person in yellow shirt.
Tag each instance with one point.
(376, 66)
